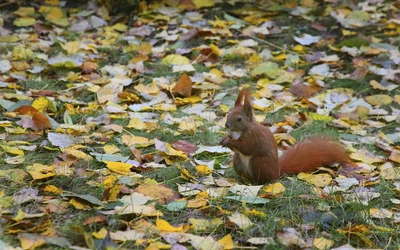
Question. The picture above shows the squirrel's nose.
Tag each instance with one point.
(227, 125)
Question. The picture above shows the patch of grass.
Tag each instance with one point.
(234, 59)
(41, 155)
(114, 56)
(170, 176)
(277, 116)
(55, 50)
(314, 128)
(42, 84)
(157, 70)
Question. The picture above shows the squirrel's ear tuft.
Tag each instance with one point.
(248, 109)
(239, 99)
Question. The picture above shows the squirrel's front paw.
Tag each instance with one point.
(225, 141)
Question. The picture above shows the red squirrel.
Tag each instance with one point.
(256, 153)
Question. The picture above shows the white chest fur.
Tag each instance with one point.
(246, 162)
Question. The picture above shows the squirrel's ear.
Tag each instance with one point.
(248, 109)
(239, 99)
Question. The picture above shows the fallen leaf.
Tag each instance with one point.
(184, 86)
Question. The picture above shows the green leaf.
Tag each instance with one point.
(248, 199)
(353, 42)
(86, 197)
(109, 157)
(269, 69)
(176, 205)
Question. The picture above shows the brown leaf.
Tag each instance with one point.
(26, 110)
(137, 153)
(88, 67)
(184, 86)
(395, 155)
(43, 92)
(96, 219)
(160, 192)
(190, 34)
(58, 208)
(41, 122)
(303, 90)
(184, 146)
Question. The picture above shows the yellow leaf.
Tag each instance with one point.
(9, 39)
(53, 189)
(299, 48)
(151, 89)
(39, 171)
(158, 245)
(187, 124)
(205, 224)
(54, 13)
(24, 21)
(113, 193)
(109, 181)
(319, 180)
(203, 170)
(227, 242)
(214, 48)
(395, 155)
(78, 154)
(197, 203)
(12, 150)
(323, 243)
(25, 11)
(186, 175)
(120, 27)
(255, 58)
(79, 205)
(378, 100)
(203, 3)
(366, 156)
(175, 60)
(20, 215)
(100, 234)
(31, 241)
(119, 167)
(319, 117)
(110, 149)
(41, 104)
(224, 108)
(166, 107)
(71, 47)
(21, 53)
(280, 57)
(164, 226)
(136, 123)
(397, 99)
(348, 32)
(173, 152)
(273, 190)
(138, 141)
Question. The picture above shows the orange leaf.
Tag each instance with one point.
(26, 110)
(184, 86)
(41, 122)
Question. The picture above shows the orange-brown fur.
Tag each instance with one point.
(256, 152)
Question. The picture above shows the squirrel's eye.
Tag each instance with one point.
(239, 119)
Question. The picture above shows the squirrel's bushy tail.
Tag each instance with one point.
(308, 155)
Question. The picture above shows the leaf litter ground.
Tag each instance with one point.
(110, 125)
